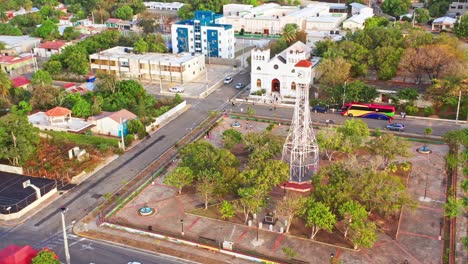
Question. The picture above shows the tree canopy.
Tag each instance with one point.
(396, 8)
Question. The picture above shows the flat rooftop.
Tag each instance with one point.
(13, 41)
(74, 124)
(12, 193)
(125, 52)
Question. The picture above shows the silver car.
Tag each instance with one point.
(176, 89)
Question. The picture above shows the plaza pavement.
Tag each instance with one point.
(417, 240)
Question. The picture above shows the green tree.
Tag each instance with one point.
(352, 211)
(124, 12)
(227, 210)
(408, 94)
(231, 137)
(251, 199)
(53, 67)
(156, 43)
(422, 15)
(135, 126)
(48, 30)
(82, 108)
(456, 137)
(18, 139)
(262, 146)
(75, 59)
(318, 216)
(70, 33)
(396, 8)
(355, 54)
(45, 256)
(329, 76)
(363, 234)
(207, 183)
(360, 92)
(46, 97)
(250, 111)
(186, 11)
(447, 90)
(179, 178)
(148, 25)
(41, 78)
(386, 60)
(331, 142)
(453, 207)
(461, 27)
(376, 22)
(388, 147)
(356, 131)
(9, 30)
(22, 109)
(290, 207)
(141, 46)
(438, 8)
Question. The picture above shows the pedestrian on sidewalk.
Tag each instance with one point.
(404, 115)
(401, 114)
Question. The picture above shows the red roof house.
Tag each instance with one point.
(58, 111)
(50, 48)
(303, 63)
(17, 254)
(21, 82)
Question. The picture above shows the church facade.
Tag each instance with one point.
(279, 76)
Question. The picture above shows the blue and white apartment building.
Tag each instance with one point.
(206, 34)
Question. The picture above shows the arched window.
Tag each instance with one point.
(259, 83)
(258, 68)
(293, 86)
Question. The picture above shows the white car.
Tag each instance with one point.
(176, 89)
(228, 80)
(239, 85)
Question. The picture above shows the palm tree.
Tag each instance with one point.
(5, 84)
(289, 33)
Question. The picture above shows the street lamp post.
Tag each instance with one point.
(182, 226)
(332, 257)
(458, 106)
(63, 210)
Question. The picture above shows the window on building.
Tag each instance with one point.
(204, 32)
(191, 39)
(259, 83)
(293, 86)
(258, 68)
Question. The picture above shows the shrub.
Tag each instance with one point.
(227, 210)
(429, 111)
(377, 132)
(129, 140)
(270, 127)
(411, 109)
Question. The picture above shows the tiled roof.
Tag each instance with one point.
(303, 63)
(113, 20)
(68, 85)
(20, 81)
(54, 45)
(124, 114)
(58, 111)
(13, 59)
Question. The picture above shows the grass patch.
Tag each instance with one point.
(81, 139)
(211, 212)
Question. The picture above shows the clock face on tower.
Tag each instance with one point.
(301, 74)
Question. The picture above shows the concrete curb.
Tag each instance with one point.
(185, 242)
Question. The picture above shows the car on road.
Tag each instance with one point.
(395, 127)
(319, 109)
(228, 80)
(176, 89)
(239, 85)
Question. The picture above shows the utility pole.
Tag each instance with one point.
(122, 134)
(65, 239)
(458, 106)
(344, 93)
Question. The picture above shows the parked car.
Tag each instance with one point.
(395, 127)
(239, 85)
(228, 80)
(176, 89)
(319, 109)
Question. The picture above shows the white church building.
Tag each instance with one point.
(280, 75)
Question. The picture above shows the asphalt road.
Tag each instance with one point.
(44, 228)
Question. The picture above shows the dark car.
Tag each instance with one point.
(319, 109)
(395, 127)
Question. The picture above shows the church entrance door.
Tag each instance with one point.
(275, 86)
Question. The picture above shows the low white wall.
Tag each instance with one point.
(11, 169)
(166, 116)
(29, 207)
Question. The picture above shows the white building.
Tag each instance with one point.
(271, 18)
(443, 23)
(124, 63)
(458, 8)
(279, 75)
(206, 33)
(15, 45)
(49, 48)
(112, 123)
(360, 13)
(162, 6)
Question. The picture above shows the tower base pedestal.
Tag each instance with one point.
(297, 186)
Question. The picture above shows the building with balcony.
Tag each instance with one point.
(124, 63)
(206, 33)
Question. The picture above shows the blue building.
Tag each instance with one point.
(206, 34)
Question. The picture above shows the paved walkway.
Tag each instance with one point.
(417, 241)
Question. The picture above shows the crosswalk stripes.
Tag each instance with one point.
(55, 241)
